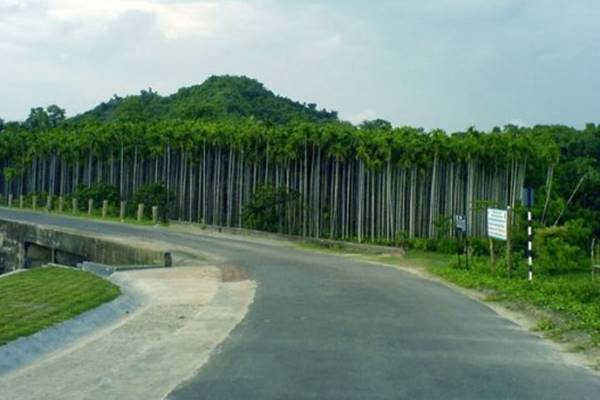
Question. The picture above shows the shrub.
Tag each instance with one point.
(268, 208)
(98, 193)
(154, 194)
(28, 200)
(562, 248)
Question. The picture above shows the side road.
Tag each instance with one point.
(182, 314)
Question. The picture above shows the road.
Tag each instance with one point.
(330, 327)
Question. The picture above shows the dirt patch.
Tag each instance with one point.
(234, 273)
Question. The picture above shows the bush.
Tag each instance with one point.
(98, 193)
(41, 198)
(154, 194)
(562, 249)
(268, 208)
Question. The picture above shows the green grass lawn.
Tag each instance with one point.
(33, 300)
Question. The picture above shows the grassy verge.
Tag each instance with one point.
(33, 300)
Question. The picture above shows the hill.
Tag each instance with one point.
(217, 98)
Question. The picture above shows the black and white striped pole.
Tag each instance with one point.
(528, 202)
(529, 245)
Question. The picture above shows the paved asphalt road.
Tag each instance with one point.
(327, 327)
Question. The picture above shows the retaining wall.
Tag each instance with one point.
(74, 246)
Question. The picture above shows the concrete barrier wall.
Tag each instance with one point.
(86, 247)
(338, 244)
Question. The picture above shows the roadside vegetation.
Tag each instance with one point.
(39, 298)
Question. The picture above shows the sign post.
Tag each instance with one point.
(509, 261)
(492, 255)
(461, 231)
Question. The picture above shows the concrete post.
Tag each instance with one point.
(74, 205)
(104, 208)
(20, 255)
(122, 208)
(21, 201)
(61, 204)
(90, 206)
(34, 202)
(49, 203)
(140, 212)
(154, 215)
(10, 198)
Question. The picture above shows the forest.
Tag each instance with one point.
(231, 153)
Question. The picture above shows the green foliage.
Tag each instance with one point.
(376, 124)
(37, 299)
(478, 246)
(154, 194)
(41, 199)
(98, 193)
(574, 155)
(37, 119)
(268, 208)
(10, 173)
(218, 98)
(561, 249)
(40, 118)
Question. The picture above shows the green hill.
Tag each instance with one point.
(218, 98)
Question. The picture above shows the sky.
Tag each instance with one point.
(446, 64)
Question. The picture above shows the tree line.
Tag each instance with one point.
(367, 184)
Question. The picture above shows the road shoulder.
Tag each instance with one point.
(183, 315)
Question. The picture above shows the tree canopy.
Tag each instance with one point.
(230, 136)
(218, 98)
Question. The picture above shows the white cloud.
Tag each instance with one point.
(518, 122)
(365, 115)
(31, 21)
(178, 19)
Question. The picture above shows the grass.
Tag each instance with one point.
(420, 258)
(33, 300)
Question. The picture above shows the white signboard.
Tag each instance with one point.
(496, 223)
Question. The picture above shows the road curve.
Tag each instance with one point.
(329, 327)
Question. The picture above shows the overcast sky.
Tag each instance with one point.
(429, 63)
